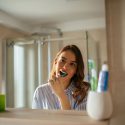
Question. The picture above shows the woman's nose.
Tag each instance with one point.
(66, 65)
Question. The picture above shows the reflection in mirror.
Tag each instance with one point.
(29, 63)
(29, 59)
(97, 48)
(97, 55)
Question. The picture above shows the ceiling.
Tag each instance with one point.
(35, 13)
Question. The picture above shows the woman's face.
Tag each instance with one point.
(66, 62)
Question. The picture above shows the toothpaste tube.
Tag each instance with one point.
(103, 79)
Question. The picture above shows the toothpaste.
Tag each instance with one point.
(103, 79)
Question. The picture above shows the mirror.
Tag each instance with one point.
(28, 59)
(97, 49)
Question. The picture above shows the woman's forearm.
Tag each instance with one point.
(65, 104)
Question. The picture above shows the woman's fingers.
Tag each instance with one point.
(54, 78)
(51, 81)
(55, 83)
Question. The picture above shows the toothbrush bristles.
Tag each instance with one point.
(63, 74)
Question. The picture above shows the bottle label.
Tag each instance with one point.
(103, 81)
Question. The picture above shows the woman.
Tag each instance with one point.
(65, 88)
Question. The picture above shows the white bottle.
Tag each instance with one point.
(103, 79)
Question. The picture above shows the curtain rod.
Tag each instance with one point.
(61, 39)
(43, 40)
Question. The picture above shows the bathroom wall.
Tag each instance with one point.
(6, 32)
(97, 47)
(115, 10)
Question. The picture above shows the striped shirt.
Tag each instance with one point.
(44, 98)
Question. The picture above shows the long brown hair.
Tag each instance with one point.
(81, 87)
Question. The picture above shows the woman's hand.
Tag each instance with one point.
(57, 85)
(58, 88)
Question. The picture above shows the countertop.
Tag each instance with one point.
(47, 117)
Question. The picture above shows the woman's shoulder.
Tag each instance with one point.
(43, 87)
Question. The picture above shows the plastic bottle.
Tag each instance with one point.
(103, 79)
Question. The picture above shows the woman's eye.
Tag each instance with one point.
(62, 60)
(73, 64)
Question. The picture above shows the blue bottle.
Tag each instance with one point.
(103, 79)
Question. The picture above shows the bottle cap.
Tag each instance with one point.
(105, 67)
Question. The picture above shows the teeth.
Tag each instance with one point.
(63, 74)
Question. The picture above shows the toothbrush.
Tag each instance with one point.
(63, 74)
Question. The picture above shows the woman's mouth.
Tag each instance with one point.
(63, 73)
